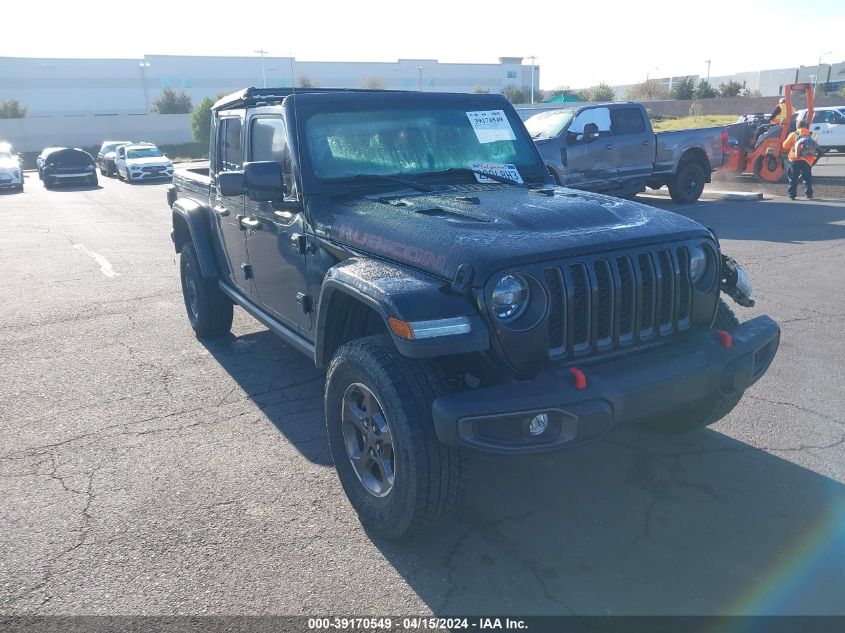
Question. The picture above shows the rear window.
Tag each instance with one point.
(626, 121)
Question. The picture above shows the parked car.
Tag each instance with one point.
(11, 173)
(415, 246)
(68, 166)
(828, 126)
(105, 157)
(142, 161)
(39, 161)
(611, 148)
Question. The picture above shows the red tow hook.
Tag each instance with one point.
(580, 378)
(726, 339)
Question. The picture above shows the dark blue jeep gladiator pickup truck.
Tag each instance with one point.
(415, 246)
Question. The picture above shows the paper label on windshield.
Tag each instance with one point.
(491, 125)
(496, 169)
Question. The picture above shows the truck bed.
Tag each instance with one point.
(194, 179)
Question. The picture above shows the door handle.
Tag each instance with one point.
(646, 142)
(251, 224)
(610, 146)
(221, 211)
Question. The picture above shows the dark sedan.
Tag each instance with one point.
(68, 166)
(105, 157)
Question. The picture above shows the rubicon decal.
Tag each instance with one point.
(398, 250)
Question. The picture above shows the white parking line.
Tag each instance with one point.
(105, 266)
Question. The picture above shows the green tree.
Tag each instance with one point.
(842, 91)
(704, 90)
(515, 95)
(684, 89)
(480, 90)
(371, 83)
(201, 119)
(12, 109)
(602, 92)
(304, 81)
(171, 102)
(651, 90)
(730, 89)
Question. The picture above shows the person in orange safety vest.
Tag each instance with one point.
(803, 154)
(779, 114)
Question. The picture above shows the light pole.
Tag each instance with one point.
(143, 66)
(419, 70)
(707, 61)
(818, 69)
(262, 52)
(532, 58)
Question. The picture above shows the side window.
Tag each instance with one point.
(599, 116)
(268, 140)
(837, 117)
(229, 149)
(626, 121)
(821, 116)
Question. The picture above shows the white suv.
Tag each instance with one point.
(11, 173)
(142, 161)
(828, 126)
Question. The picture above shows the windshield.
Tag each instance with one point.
(110, 147)
(410, 139)
(70, 158)
(143, 152)
(548, 124)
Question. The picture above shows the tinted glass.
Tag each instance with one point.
(230, 153)
(414, 139)
(70, 158)
(143, 152)
(627, 121)
(269, 141)
(599, 116)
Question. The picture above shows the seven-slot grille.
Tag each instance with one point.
(606, 303)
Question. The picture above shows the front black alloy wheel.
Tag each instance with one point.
(399, 478)
(688, 184)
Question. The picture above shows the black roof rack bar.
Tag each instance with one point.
(255, 96)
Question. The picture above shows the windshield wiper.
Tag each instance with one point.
(401, 181)
(497, 178)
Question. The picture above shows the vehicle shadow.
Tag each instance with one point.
(790, 222)
(283, 383)
(72, 188)
(636, 523)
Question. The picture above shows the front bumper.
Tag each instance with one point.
(10, 180)
(618, 391)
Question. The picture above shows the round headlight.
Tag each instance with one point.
(510, 297)
(697, 263)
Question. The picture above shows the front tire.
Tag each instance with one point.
(209, 310)
(399, 478)
(688, 184)
(710, 411)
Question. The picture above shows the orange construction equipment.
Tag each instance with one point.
(767, 161)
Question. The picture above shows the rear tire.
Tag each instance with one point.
(408, 486)
(209, 310)
(710, 411)
(688, 184)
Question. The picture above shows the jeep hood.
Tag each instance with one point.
(494, 227)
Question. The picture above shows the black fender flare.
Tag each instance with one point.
(191, 222)
(403, 293)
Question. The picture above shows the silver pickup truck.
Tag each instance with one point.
(612, 148)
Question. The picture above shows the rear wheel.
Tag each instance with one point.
(770, 169)
(709, 411)
(399, 478)
(688, 184)
(209, 310)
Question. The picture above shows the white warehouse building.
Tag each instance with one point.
(62, 87)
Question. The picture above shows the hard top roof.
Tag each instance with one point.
(252, 97)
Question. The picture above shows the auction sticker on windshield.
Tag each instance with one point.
(491, 126)
(496, 169)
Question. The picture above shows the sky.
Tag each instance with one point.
(576, 43)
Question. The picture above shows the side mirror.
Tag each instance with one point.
(231, 183)
(591, 132)
(263, 181)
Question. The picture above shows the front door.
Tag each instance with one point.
(276, 231)
(229, 211)
(591, 163)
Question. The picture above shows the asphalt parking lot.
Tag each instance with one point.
(145, 472)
